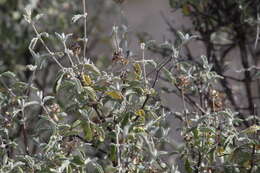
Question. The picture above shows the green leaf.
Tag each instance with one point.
(88, 134)
(92, 68)
(58, 82)
(99, 168)
(45, 99)
(90, 92)
(187, 166)
(126, 119)
(152, 62)
(168, 75)
(31, 103)
(77, 160)
(252, 129)
(64, 165)
(112, 152)
(257, 75)
(117, 95)
(101, 133)
(75, 124)
(69, 169)
(137, 71)
(186, 9)
(78, 85)
(8, 74)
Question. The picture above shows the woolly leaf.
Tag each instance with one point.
(90, 92)
(86, 80)
(117, 95)
(58, 82)
(137, 71)
(140, 112)
(88, 134)
(92, 68)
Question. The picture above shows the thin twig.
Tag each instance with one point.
(85, 29)
(155, 80)
(257, 30)
(118, 149)
(46, 47)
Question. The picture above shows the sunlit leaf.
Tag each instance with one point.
(117, 95)
(140, 112)
(252, 129)
(91, 92)
(92, 68)
(137, 71)
(86, 80)
(186, 10)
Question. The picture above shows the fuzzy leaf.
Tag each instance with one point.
(188, 167)
(31, 103)
(168, 75)
(88, 134)
(92, 68)
(78, 85)
(58, 82)
(138, 71)
(86, 80)
(252, 129)
(140, 112)
(8, 74)
(117, 95)
(91, 92)
(112, 153)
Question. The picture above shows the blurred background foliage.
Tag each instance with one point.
(15, 37)
(229, 32)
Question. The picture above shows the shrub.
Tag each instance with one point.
(98, 121)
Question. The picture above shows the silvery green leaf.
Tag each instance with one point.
(115, 29)
(47, 118)
(31, 67)
(168, 75)
(8, 74)
(35, 55)
(28, 10)
(27, 18)
(76, 17)
(58, 82)
(78, 85)
(149, 61)
(31, 103)
(44, 34)
(33, 43)
(45, 99)
(222, 36)
(63, 166)
(182, 36)
(92, 68)
(60, 36)
(99, 168)
(15, 112)
(63, 37)
(28, 14)
(162, 153)
(16, 164)
(91, 92)
(39, 16)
